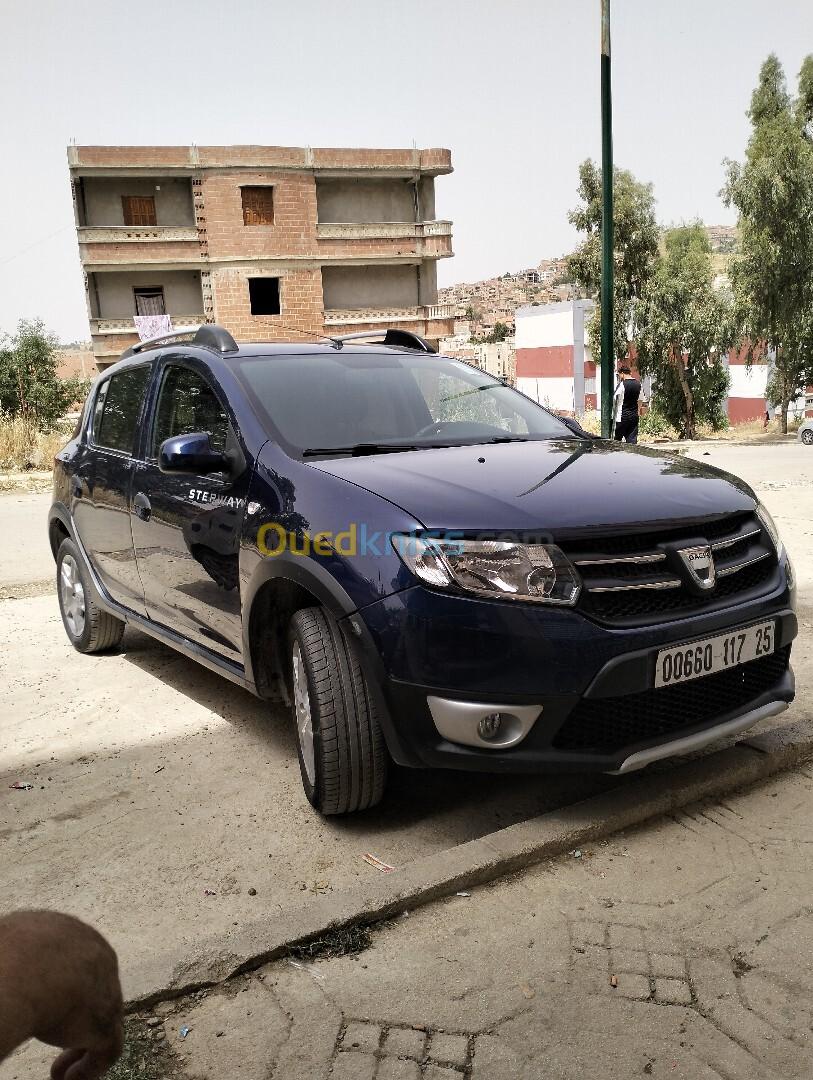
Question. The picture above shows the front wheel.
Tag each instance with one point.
(342, 756)
(807, 437)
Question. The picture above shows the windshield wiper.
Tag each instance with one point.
(499, 385)
(361, 449)
(364, 448)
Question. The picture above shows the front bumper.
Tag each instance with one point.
(420, 644)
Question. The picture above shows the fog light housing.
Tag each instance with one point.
(489, 726)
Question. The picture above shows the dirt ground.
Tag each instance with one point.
(162, 794)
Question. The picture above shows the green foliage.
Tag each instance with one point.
(655, 425)
(772, 278)
(29, 386)
(684, 328)
(770, 100)
(500, 332)
(804, 101)
(635, 249)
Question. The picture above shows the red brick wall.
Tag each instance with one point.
(294, 228)
(155, 251)
(433, 158)
(300, 302)
(269, 156)
(146, 156)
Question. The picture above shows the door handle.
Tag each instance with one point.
(142, 506)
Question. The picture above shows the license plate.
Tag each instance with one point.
(698, 658)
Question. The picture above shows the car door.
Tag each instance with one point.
(101, 484)
(186, 528)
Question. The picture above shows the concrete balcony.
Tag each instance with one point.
(432, 321)
(427, 239)
(387, 230)
(125, 324)
(123, 234)
(113, 246)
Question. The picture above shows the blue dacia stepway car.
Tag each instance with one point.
(422, 563)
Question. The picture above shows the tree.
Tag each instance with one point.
(29, 385)
(772, 277)
(635, 249)
(499, 333)
(474, 313)
(684, 328)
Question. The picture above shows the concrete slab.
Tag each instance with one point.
(571, 969)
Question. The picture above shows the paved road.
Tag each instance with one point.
(157, 780)
(25, 555)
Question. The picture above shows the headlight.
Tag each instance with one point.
(771, 529)
(539, 572)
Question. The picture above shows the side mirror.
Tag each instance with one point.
(575, 427)
(191, 453)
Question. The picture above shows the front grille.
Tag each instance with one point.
(629, 580)
(608, 725)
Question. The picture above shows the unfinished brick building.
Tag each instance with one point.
(265, 240)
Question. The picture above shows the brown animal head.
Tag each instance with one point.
(59, 983)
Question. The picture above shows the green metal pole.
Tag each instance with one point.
(607, 359)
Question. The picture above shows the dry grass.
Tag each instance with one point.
(748, 429)
(591, 421)
(23, 447)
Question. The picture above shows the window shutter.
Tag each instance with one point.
(139, 210)
(258, 205)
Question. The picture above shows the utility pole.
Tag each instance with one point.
(607, 365)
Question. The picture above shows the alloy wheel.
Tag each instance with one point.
(304, 718)
(72, 595)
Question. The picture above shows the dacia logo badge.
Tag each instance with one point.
(699, 562)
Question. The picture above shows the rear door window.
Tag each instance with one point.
(118, 404)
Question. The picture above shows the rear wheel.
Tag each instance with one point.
(89, 627)
(342, 757)
(807, 436)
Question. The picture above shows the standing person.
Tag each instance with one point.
(625, 406)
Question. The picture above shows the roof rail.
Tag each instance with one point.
(403, 338)
(207, 336)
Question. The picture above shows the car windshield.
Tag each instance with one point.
(361, 401)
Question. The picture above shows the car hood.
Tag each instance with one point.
(558, 485)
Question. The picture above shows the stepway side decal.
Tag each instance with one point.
(213, 498)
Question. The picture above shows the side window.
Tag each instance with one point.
(116, 411)
(187, 403)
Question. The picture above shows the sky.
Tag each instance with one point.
(510, 86)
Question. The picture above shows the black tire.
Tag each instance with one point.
(349, 764)
(99, 629)
(807, 436)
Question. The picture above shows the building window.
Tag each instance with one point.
(138, 209)
(263, 293)
(258, 205)
(149, 300)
